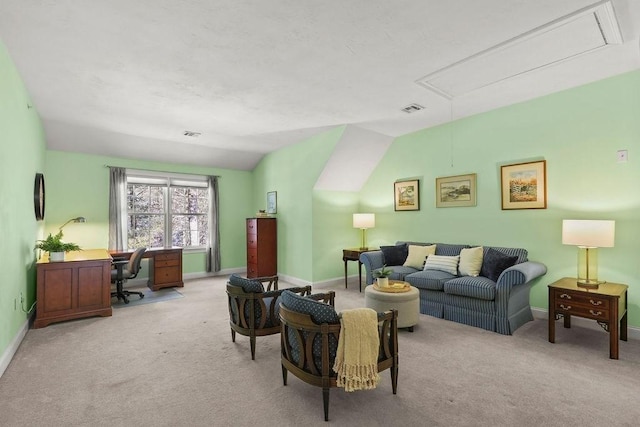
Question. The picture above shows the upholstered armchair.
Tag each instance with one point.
(253, 311)
(310, 333)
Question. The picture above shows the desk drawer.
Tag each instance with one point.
(586, 300)
(252, 226)
(595, 313)
(167, 275)
(252, 255)
(167, 263)
(171, 256)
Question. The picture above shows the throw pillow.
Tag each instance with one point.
(395, 255)
(470, 261)
(418, 254)
(448, 264)
(494, 263)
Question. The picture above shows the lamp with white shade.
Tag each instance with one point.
(363, 221)
(588, 235)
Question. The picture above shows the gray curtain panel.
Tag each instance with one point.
(117, 209)
(213, 251)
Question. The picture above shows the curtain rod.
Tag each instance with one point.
(154, 170)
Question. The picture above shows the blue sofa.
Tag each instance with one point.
(501, 306)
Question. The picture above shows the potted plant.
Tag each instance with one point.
(382, 276)
(56, 247)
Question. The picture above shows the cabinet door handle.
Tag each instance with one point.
(595, 302)
(595, 313)
(565, 296)
(562, 306)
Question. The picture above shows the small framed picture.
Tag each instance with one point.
(407, 195)
(272, 202)
(524, 185)
(456, 191)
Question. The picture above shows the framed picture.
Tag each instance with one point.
(407, 195)
(524, 185)
(455, 191)
(272, 202)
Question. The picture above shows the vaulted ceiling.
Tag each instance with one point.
(128, 78)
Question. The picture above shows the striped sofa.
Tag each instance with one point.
(501, 306)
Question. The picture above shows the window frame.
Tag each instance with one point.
(166, 181)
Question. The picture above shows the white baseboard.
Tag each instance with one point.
(13, 347)
(543, 313)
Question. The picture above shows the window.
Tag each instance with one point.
(167, 211)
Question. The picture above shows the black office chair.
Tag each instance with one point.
(124, 270)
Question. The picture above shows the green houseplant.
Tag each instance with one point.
(56, 247)
(382, 276)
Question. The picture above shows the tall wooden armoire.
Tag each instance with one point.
(262, 247)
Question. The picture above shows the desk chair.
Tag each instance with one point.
(123, 270)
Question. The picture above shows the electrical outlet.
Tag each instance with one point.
(622, 156)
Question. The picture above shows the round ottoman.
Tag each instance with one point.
(407, 304)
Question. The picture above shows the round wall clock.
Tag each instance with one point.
(38, 196)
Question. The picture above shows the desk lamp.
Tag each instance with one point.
(588, 236)
(364, 221)
(76, 219)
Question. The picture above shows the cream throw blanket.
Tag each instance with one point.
(357, 357)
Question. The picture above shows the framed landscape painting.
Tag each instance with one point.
(524, 185)
(407, 195)
(456, 191)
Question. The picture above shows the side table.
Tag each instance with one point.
(606, 304)
(353, 254)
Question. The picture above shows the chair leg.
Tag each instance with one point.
(394, 377)
(284, 375)
(325, 402)
(233, 335)
(253, 347)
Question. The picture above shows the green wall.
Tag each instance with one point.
(22, 148)
(577, 132)
(78, 185)
(292, 172)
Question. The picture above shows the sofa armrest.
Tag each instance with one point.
(371, 261)
(519, 274)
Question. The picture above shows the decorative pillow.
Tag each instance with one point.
(444, 263)
(471, 261)
(395, 255)
(247, 285)
(494, 263)
(418, 254)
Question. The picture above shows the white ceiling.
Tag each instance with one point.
(127, 78)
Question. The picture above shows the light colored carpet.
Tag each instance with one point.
(173, 364)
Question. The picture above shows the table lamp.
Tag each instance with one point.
(364, 221)
(588, 235)
(76, 219)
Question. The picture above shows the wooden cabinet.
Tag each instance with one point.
(165, 268)
(262, 247)
(79, 286)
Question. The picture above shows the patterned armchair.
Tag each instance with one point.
(310, 333)
(253, 312)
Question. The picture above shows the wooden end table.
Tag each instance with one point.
(353, 254)
(607, 305)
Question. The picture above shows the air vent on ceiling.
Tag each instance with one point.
(583, 31)
(192, 134)
(412, 108)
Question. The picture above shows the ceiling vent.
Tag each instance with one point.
(192, 134)
(583, 31)
(411, 108)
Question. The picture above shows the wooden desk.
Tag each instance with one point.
(353, 254)
(607, 305)
(165, 266)
(78, 287)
